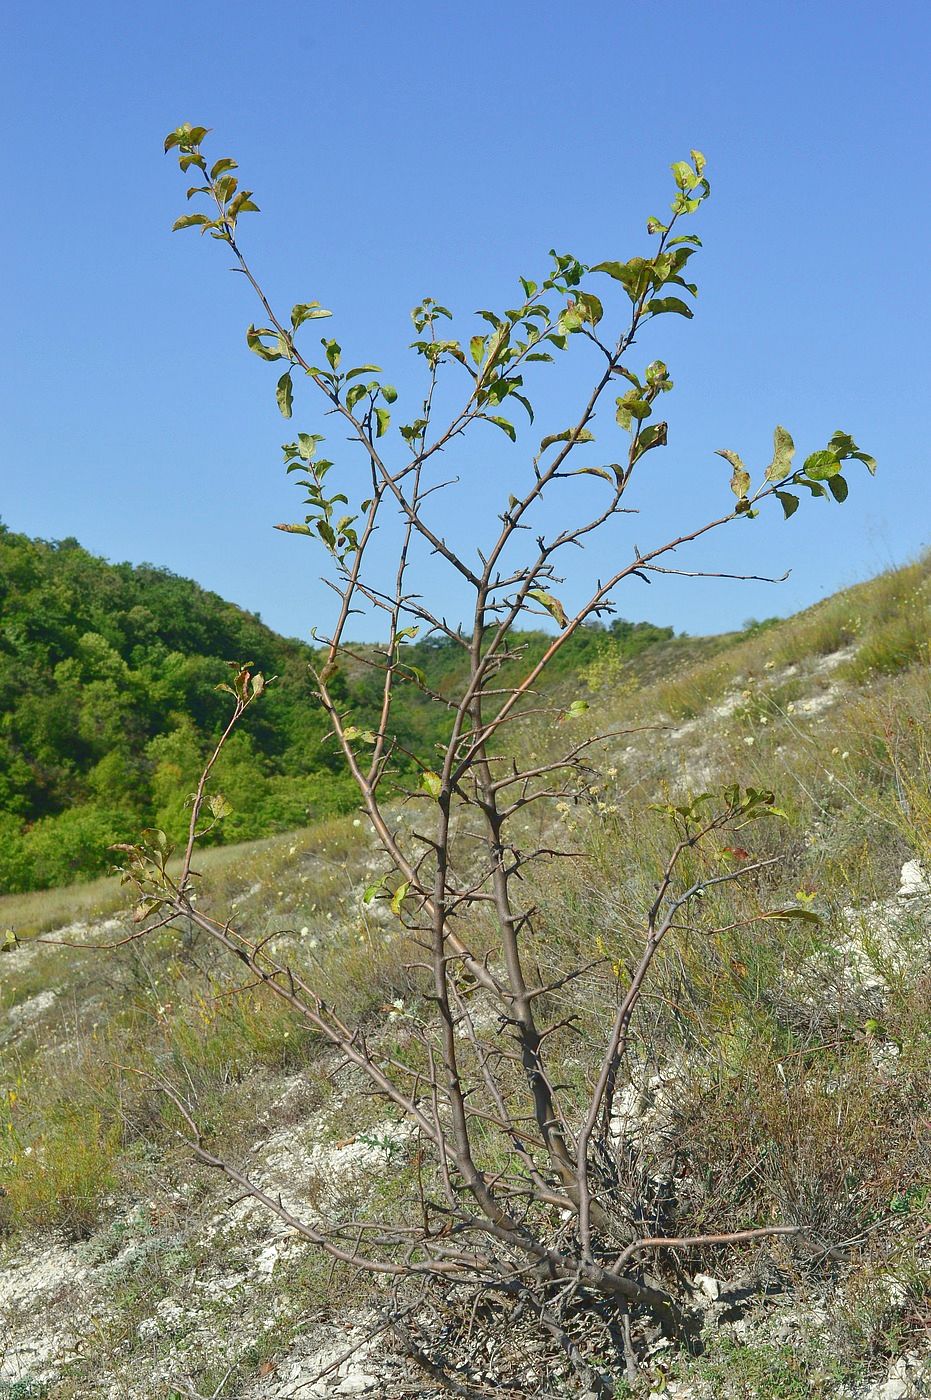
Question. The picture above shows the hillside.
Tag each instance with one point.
(781, 1070)
(108, 677)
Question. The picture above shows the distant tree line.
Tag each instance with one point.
(108, 702)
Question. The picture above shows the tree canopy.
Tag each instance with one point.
(108, 675)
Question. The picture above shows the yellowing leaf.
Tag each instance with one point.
(740, 477)
(397, 899)
(553, 606)
(432, 783)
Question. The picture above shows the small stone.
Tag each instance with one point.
(708, 1285)
(893, 1389)
(913, 880)
(356, 1383)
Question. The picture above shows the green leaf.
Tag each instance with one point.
(382, 418)
(583, 435)
(660, 306)
(593, 471)
(788, 502)
(503, 424)
(650, 437)
(838, 488)
(285, 394)
(553, 606)
(577, 708)
(185, 136)
(684, 175)
(219, 806)
(783, 452)
(843, 445)
(307, 311)
(373, 890)
(821, 466)
(634, 276)
(591, 308)
(307, 445)
(190, 221)
(295, 529)
(264, 352)
(226, 188)
(242, 204)
(432, 783)
(631, 406)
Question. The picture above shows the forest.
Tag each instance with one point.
(109, 677)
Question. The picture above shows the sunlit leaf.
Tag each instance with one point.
(284, 394)
(783, 452)
(821, 466)
(397, 899)
(553, 606)
(432, 783)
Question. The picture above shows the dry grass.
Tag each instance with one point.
(798, 1095)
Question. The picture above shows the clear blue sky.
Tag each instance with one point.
(429, 148)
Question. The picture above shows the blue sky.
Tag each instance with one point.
(416, 149)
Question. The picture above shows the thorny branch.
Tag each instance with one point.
(510, 1195)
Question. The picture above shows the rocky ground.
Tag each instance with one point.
(195, 1276)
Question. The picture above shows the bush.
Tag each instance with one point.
(62, 848)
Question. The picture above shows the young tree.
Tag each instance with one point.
(520, 1191)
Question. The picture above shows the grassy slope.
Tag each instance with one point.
(800, 1055)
